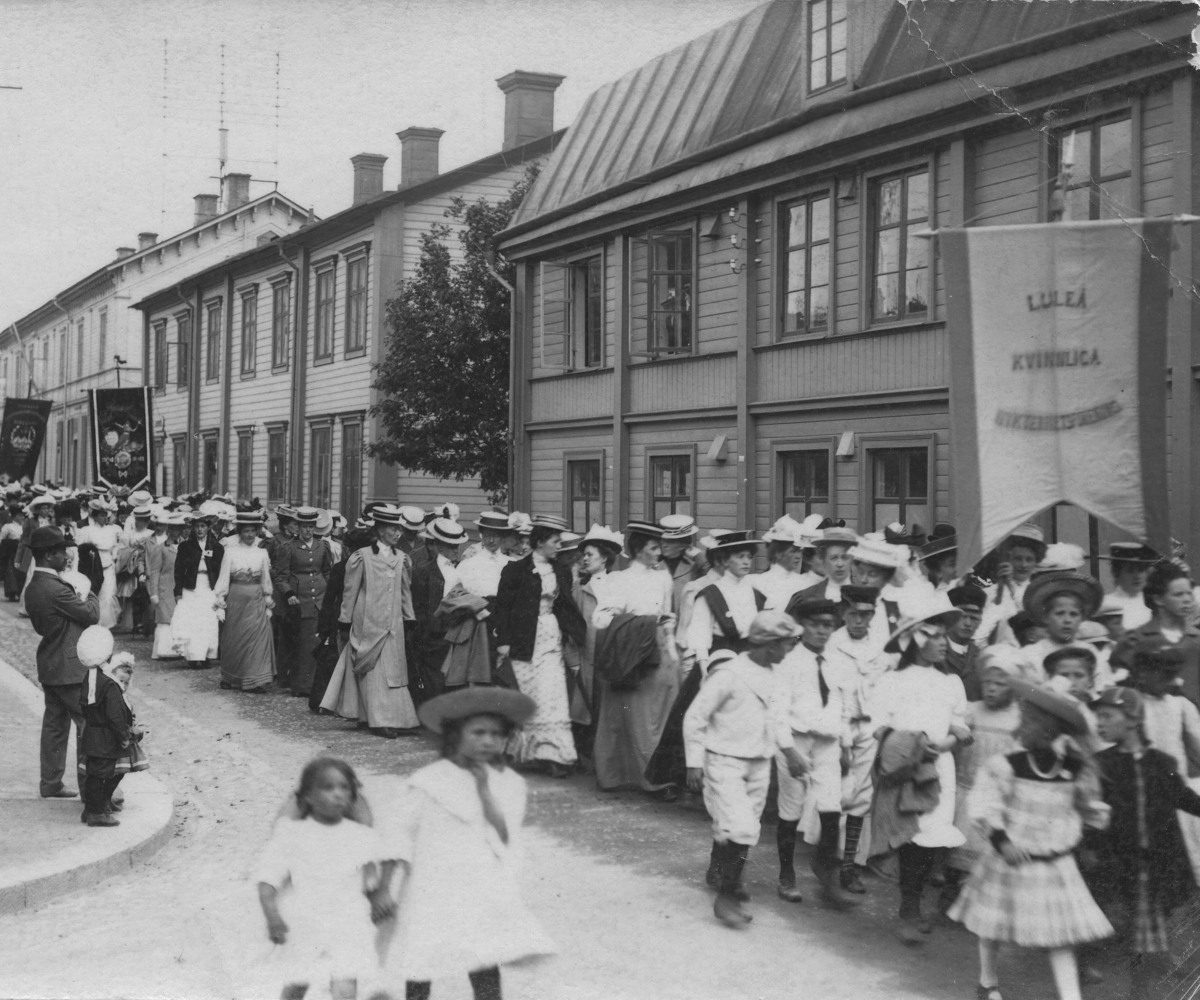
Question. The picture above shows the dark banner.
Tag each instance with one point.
(24, 431)
(122, 444)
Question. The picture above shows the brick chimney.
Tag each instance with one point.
(123, 252)
(206, 208)
(237, 190)
(368, 175)
(528, 105)
(147, 240)
(418, 154)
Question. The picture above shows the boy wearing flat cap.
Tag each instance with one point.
(733, 727)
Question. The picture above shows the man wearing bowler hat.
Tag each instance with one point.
(59, 616)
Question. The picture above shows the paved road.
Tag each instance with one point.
(616, 878)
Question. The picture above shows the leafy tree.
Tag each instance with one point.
(444, 376)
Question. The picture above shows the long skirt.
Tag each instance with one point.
(164, 647)
(302, 638)
(194, 625)
(8, 565)
(247, 650)
(547, 735)
(630, 726)
(110, 607)
(368, 698)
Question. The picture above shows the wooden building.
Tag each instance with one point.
(724, 306)
(71, 344)
(278, 402)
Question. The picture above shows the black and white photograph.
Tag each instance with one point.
(600, 500)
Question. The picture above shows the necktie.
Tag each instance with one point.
(821, 680)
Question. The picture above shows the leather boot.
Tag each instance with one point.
(785, 842)
(712, 877)
(915, 863)
(827, 867)
(728, 907)
(849, 874)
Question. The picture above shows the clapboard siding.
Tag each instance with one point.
(940, 217)
(714, 484)
(428, 492)
(813, 431)
(849, 264)
(717, 321)
(1157, 152)
(1006, 178)
(572, 397)
(683, 384)
(897, 360)
(547, 451)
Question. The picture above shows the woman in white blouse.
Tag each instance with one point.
(630, 724)
(245, 591)
(106, 538)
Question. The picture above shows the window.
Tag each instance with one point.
(804, 477)
(276, 464)
(670, 485)
(245, 464)
(900, 486)
(352, 445)
(79, 349)
(281, 323)
(670, 329)
(585, 306)
(321, 465)
(356, 304)
(212, 342)
(183, 337)
(901, 262)
(160, 355)
(323, 324)
(806, 278)
(208, 463)
(583, 479)
(102, 339)
(249, 332)
(179, 466)
(826, 43)
(1092, 168)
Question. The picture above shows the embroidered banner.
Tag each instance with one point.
(1058, 356)
(122, 443)
(23, 433)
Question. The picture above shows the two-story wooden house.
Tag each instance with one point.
(726, 304)
(277, 404)
(86, 336)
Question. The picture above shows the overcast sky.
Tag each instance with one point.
(88, 158)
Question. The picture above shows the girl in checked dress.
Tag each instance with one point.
(1032, 806)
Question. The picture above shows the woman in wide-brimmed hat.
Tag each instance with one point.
(160, 583)
(456, 830)
(300, 568)
(195, 627)
(106, 538)
(599, 550)
(535, 613)
(245, 590)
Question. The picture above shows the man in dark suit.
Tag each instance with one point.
(59, 616)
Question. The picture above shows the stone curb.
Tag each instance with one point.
(141, 834)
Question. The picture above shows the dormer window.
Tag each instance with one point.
(826, 43)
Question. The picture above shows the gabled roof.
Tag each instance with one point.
(744, 82)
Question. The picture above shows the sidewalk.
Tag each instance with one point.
(44, 850)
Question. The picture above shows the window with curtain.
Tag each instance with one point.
(670, 485)
(900, 266)
(899, 486)
(356, 304)
(583, 478)
(806, 265)
(323, 319)
(804, 481)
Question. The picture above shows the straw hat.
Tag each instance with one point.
(1132, 552)
(878, 553)
(550, 522)
(942, 541)
(446, 531)
(467, 702)
(677, 527)
(492, 520)
(837, 536)
(1045, 586)
(520, 522)
(308, 515)
(324, 523)
(735, 540)
(249, 518)
(930, 607)
(1052, 699)
(786, 529)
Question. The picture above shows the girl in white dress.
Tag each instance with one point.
(106, 537)
(919, 696)
(329, 863)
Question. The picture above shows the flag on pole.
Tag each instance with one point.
(122, 442)
(22, 434)
(1058, 356)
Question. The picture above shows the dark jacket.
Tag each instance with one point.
(187, 563)
(302, 573)
(627, 650)
(906, 786)
(964, 665)
(107, 720)
(1189, 674)
(1171, 880)
(59, 617)
(518, 601)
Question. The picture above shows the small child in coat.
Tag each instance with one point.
(109, 727)
(1033, 806)
(732, 729)
(1143, 865)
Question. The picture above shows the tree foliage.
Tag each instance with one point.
(444, 375)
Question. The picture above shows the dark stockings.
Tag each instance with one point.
(854, 828)
(485, 983)
(785, 841)
(916, 863)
